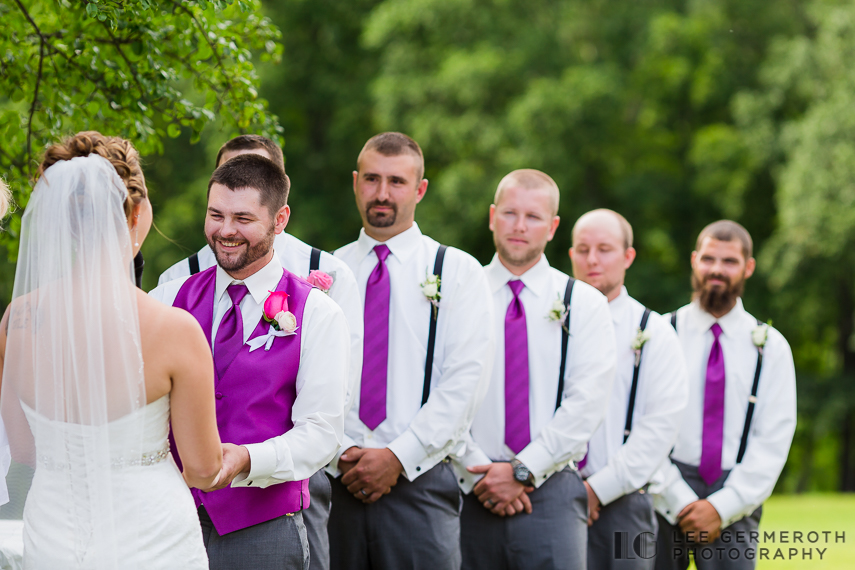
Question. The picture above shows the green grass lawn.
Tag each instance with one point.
(806, 513)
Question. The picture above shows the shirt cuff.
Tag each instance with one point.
(262, 464)
(728, 505)
(412, 455)
(606, 485)
(674, 499)
(347, 443)
(466, 480)
(539, 462)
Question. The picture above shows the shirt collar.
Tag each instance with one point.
(619, 305)
(259, 283)
(701, 320)
(401, 246)
(535, 279)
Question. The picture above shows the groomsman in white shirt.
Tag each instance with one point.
(552, 376)
(645, 408)
(426, 359)
(740, 419)
(300, 259)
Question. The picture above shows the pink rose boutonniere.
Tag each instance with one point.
(321, 280)
(282, 321)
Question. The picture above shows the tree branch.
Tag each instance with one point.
(42, 41)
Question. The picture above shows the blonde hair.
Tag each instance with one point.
(5, 199)
(625, 227)
(529, 179)
(120, 152)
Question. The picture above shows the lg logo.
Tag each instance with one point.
(643, 545)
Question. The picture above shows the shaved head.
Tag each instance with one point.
(529, 179)
(608, 220)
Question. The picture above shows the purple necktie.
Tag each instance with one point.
(375, 351)
(230, 332)
(713, 431)
(517, 433)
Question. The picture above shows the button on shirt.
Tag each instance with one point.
(294, 255)
(421, 436)
(557, 436)
(614, 468)
(318, 411)
(772, 427)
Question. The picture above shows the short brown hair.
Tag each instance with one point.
(252, 142)
(120, 152)
(530, 179)
(727, 230)
(625, 226)
(395, 144)
(256, 172)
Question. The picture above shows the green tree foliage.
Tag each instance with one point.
(140, 69)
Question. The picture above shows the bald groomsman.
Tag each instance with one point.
(303, 260)
(552, 375)
(426, 359)
(740, 419)
(645, 409)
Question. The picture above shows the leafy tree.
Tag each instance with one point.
(140, 69)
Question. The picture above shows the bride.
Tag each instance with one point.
(94, 372)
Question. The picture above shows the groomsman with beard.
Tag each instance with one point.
(645, 409)
(281, 355)
(740, 419)
(426, 360)
(552, 376)
(323, 270)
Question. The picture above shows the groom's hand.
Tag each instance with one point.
(375, 473)
(235, 461)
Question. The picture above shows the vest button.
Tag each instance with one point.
(219, 395)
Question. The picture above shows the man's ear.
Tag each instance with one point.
(750, 266)
(280, 220)
(492, 215)
(420, 191)
(555, 221)
(628, 257)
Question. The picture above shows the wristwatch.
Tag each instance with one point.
(521, 473)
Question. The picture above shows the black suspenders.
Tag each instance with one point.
(631, 408)
(752, 400)
(565, 337)
(315, 260)
(434, 315)
(193, 260)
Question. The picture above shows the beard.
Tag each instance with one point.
(381, 220)
(517, 259)
(249, 256)
(717, 300)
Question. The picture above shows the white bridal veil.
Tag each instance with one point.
(73, 376)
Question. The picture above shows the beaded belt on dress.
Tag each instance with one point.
(148, 458)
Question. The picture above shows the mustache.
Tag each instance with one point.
(217, 237)
(718, 276)
(383, 203)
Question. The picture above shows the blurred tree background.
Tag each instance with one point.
(675, 113)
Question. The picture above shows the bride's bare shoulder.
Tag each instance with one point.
(165, 322)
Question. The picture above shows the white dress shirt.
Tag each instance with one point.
(421, 436)
(318, 411)
(557, 437)
(772, 427)
(615, 468)
(294, 255)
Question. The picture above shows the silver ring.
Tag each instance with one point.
(363, 492)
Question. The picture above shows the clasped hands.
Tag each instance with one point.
(700, 522)
(235, 461)
(369, 473)
(499, 492)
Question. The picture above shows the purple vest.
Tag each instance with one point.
(254, 399)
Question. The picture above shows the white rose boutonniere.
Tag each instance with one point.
(282, 321)
(637, 343)
(558, 313)
(760, 335)
(430, 289)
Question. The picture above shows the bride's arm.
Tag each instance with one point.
(4, 327)
(193, 413)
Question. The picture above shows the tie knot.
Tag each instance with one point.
(716, 330)
(237, 292)
(382, 251)
(516, 286)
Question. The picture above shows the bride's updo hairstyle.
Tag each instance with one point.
(120, 152)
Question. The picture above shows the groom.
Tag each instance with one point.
(279, 389)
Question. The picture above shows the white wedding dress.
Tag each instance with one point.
(155, 524)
